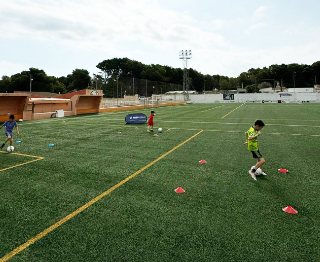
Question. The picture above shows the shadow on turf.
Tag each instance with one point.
(275, 190)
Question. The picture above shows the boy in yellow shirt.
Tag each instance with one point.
(252, 142)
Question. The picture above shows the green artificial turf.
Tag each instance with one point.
(224, 215)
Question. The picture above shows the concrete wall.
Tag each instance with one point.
(257, 97)
(24, 107)
(86, 104)
(12, 104)
(48, 107)
(173, 97)
(81, 92)
(41, 108)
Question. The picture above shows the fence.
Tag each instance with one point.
(130, 86)
(154, 100)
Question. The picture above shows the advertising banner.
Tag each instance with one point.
(228, 96)
(136, 118)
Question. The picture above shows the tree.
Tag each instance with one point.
(224, 83)
(264, 85)
(154, 72)
(243, 79)
(316, 69)
(56, 86)
(113, 67)
(79, 79)
(196, 80)
(252, 88)
(5, 84)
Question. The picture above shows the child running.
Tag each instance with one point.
(10, 124)
(252, 142)
(150, 122)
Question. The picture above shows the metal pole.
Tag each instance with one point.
(294, 82)
(30, 82)
(133, 86)
(117, 89)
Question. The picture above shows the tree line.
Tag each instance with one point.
(121, 76)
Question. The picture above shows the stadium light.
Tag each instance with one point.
(185, 55)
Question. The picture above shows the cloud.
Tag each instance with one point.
(142, 30)
(261, 12)
(218, 24)
(7, 68)
(100, 24)
(255, 28)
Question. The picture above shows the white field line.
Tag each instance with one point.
(238, 131)
(212, 108)
(223, 123)
(164, 121)
(77, 119)
(279, 119)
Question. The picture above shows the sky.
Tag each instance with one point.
(226, 37)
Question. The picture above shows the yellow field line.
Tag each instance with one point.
(19, 154)
(85, 206)
(40, 158)
(232, 111)
(24, 163)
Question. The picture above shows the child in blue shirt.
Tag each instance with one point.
(10, 124)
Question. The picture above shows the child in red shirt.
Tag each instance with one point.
(150, 122)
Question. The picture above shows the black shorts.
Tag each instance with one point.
(256, 154)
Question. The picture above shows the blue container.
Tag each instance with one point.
(51, 144)
(136, 118)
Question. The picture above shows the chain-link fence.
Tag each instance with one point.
(119, 87)
(129, 91)
(154, 100)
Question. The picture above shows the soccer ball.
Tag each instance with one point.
(159, 129)
(258, 171)
(10, 149)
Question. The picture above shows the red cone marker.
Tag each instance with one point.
(155, 135)
(202, 161)
(179, 190)
(283, 170)
(290, 210)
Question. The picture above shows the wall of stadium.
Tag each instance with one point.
(256, 98)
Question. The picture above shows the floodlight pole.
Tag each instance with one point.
(185, 55)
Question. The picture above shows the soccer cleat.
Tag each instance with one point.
(148, 131)
(263, 173)
(151, 130)
(253, 175)
(2, 145)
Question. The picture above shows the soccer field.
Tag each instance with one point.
(97, 195)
